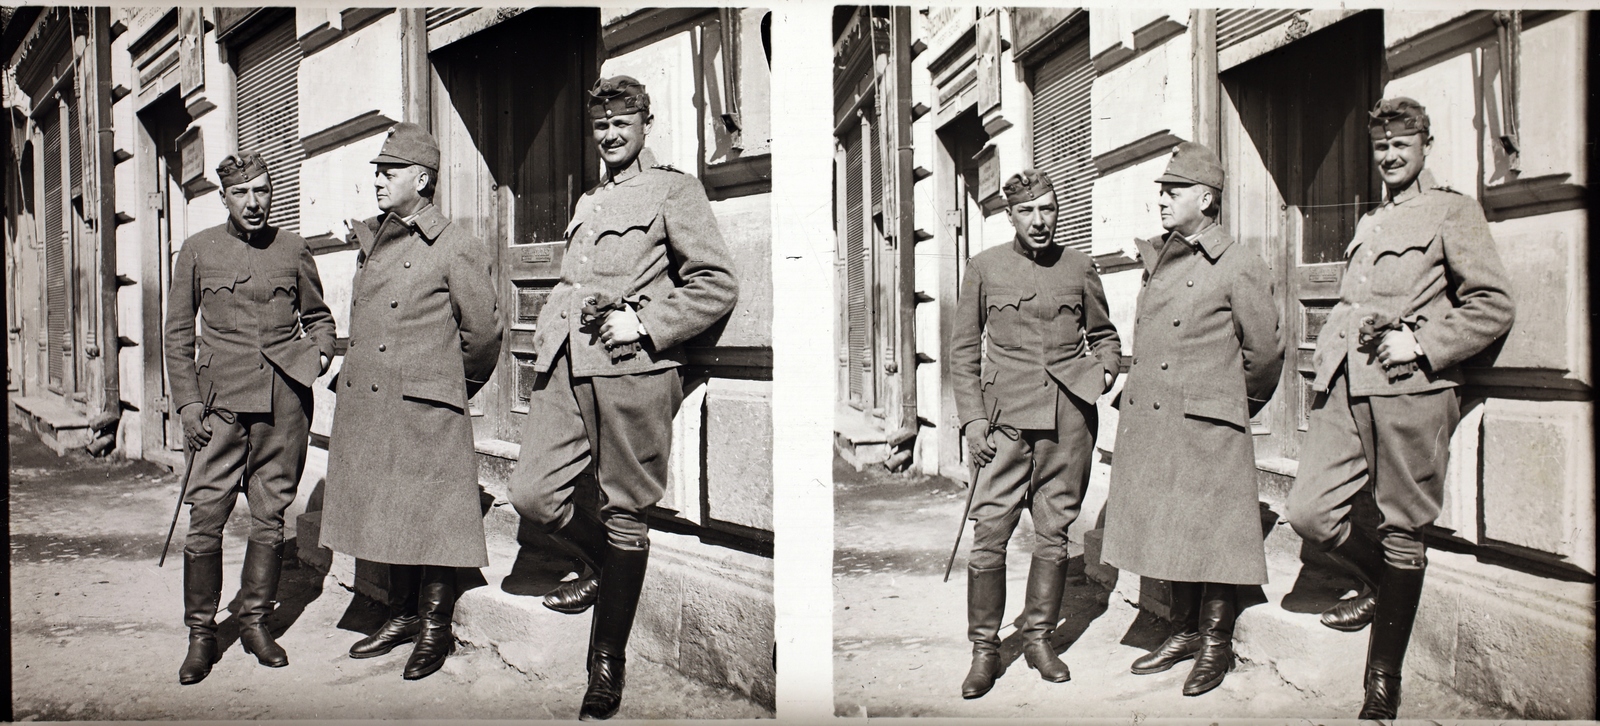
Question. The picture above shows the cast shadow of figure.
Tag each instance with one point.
(543, 560)
(1082, 601)
(1323, 582)
(298, 586)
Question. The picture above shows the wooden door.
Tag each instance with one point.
(1300, 174)
(509, 112)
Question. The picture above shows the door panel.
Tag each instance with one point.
(509, 112)
(1295, 143)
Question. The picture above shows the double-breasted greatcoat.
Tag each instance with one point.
(425, 335)
(1207, 353)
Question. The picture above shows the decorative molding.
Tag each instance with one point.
(1033, 47)
(1532, 196)
(741, 177)
(1111, 57)
(346, 132)
(1135, 152)
(350, 21)
(645, 26)
(1157, 31)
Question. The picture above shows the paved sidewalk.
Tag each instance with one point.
(97, 628)
(900, 645)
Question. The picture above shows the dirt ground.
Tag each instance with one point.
(97, 628)
(900, 646)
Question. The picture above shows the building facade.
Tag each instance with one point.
(935, 107)
(117, 117)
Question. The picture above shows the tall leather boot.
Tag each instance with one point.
(1184, 641)
(986, 603)
(258, 588)
(1399, 592)
(403, 623)
(620, 584)
(577, 595)
(436, 606)
(1218, 608)
(1041, 611)
(1362, 557)
(202, 589)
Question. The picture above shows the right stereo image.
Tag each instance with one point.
(1213, 364)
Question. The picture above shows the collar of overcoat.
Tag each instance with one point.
(428, 222)
(1211, 241)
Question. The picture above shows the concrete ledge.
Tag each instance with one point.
(60, 426)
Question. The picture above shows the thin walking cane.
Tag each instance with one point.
(972, 489)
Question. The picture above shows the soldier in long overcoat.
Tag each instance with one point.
(1207, 353)
(425, 333)
(646, 269)
(1027, 406)
(1424, 290)
(243, 392)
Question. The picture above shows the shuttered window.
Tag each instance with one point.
(269, 117)
(55, 250)
(1061, 138)
(855, 250)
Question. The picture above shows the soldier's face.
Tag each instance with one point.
(399, 187)
(621, 138)
(1400, 159)
(249, 203)
(1183, 206)
(1035, 221)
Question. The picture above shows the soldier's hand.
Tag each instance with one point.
(1398, 348)
(621, 328)
(977, 433)
(326, 361)
(1110, 379)
(196, 432)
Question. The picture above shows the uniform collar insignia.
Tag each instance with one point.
(1212, 240)
(1423, 183)
(430, 222)
(644, 160)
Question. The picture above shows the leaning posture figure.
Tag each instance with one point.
(244, 394)
(645, 270)
(1207, 353)
(1423, 291)
(402, 484)
(1027, 407)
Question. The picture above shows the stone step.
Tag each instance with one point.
(60, 426)
(1285, 633)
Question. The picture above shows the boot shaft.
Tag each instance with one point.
(1399, 593)
(202, 590)
(258, 581)
(986, 603)
(1042, 609)
(620, 584)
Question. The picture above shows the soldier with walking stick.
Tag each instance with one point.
(1034, 347)
(267, 336)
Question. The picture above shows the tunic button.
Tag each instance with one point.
(1341, 333)
(1163, 365)
(382, 348)
(1355, 305)
(408, 265)
(394, 303)
(584, 258)
(1175, 323)
(374, 388)
(348, 383)
(261, 366)
(577, 286)
(1157, 405)
(1191, 283)
(563, 314)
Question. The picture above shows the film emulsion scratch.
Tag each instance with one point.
(473, 306)
(1275, 322)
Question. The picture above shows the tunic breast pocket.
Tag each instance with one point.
(1400, 267)
(284, 289)
(1003, 320)
(218, 305)
(1066, 318)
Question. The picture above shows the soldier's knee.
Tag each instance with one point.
(202, 542)
(986, 559)
(543, 511)
(1314, 526)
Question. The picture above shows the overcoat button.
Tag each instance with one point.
(348, 383)
(394, 303)
(1174, 323)
(1163, 365)
(1157, 404)
(374, 388)
(408, 265)
(1191, 283)
(261, 366)
(382, 348)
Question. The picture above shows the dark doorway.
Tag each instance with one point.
(166, 224)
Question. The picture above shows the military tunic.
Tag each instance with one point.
(1050, 344)
(1207, 354)
(425, 335)
(647, 236)
(265, 329)
(1427, 258)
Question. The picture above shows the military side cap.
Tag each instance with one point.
(617, 96)
(1027, 186)
(240, 168)
(1398, 116)
(407, 143)
(1194, 163)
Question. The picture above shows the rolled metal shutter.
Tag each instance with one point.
(55, 248)
(437, 17)
(269, 116)
(1061, 125)
(1234, 26)
(855, 251)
